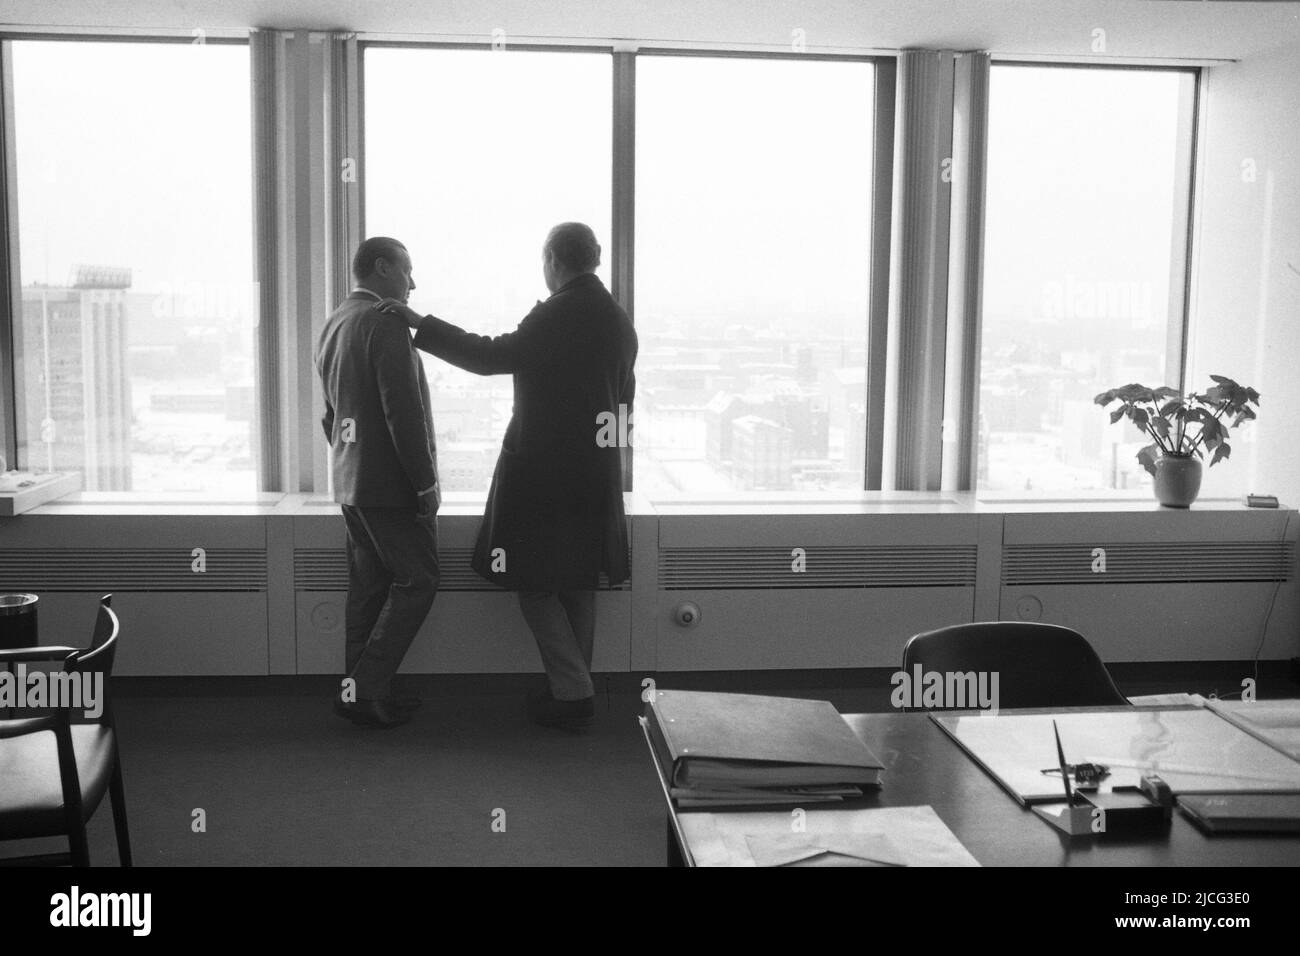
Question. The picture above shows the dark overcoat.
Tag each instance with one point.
(554, 519)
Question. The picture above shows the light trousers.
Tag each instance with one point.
(564, 625)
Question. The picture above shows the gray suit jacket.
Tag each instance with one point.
(377, 410)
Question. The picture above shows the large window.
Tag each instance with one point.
(134, 346)
(471, 157)
(1084, 263)
(753, 200)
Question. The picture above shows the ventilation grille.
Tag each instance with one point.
(702, 569)
(131, 569)
(1149, 562)
(326, 569)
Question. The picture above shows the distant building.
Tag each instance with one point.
(763, 454)
(670, 423)
(801, 411)
(463, 414)
(855, 445)
(189, 400)
(76, 390)
(467, 465)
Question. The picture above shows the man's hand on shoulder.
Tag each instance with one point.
(402, 311)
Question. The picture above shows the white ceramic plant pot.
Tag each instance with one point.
(1178, 480)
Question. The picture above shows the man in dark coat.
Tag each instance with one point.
(385, 469)
(554, 520)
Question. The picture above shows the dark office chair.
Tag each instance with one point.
(53, 772)
(1038, 665)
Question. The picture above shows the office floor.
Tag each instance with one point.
(280, 780)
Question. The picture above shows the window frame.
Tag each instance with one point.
(884, 74)
(623, 191)
(10, 263)
(1186, 173)
(284, 413)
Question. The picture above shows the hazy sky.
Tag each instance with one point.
(472, 156)
(753, 189)
(134, 154)
(752, 178)
(1096, 149)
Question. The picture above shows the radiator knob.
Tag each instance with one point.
(1029, 608)
(325, 617)
(687, 614)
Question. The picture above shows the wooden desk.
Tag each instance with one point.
(924, 766)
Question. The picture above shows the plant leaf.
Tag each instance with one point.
(1147, 458)
(1134, 392)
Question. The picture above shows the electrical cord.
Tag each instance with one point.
(1268, 615)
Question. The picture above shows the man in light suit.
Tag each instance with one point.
(554, 520)
(379, 426)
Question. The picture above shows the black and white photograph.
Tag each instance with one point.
(508, 434)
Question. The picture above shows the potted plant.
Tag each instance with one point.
(1183, 430)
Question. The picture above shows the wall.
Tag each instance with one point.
(1246, 285)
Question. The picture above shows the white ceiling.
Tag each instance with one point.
(1139, 29)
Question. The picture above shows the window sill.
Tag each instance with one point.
(470, 504)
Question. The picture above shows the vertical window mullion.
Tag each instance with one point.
(1184, 176)
(919, 276)
(623, 214)
(10, 277)
(267, 58)
(882, 193)
(965, 239)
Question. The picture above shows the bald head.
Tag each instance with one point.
(570, 250)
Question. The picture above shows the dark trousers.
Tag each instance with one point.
(564, 626)
(392, 581)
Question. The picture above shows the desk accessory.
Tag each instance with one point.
(1121, 811)
(1261, 501)
(1075, 818)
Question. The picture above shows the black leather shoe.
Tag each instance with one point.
(372, 713)
(569, 714)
